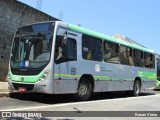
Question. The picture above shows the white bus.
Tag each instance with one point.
(61, 58)
(158, 72)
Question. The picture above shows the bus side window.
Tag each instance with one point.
(126, 55)
(149, 60)
(71, 49)
(130, 56)
(111, 52)
(91, 48)
(138, 58)
(123, 55)
(107, 51)
(86, 47)
(65, 49)
(97, 49)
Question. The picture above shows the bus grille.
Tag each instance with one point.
(28, 87)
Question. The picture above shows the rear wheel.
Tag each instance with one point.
(136, 88)
(84, 90)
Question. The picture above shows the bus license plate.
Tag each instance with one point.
(21, 89)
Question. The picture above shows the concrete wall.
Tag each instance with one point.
(14, 14)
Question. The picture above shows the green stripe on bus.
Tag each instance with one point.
(146, 74)
(65, 75)
(23, 78)
(101, 77)
(69, 75)
(142, 74)
(95, 77)
(115, 79)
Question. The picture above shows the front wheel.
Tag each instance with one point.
(84, 90)
(136, 88)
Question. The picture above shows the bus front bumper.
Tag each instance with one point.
(39, 87)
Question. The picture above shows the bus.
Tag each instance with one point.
(158, 73)
(56, 57)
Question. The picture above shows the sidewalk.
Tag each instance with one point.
(4, 91)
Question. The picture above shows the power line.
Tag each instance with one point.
(39, 4)
(61, 15)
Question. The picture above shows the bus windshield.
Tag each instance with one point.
(32, 46)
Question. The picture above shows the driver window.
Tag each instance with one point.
(58, 47)
(65, 49)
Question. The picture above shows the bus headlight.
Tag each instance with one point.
(44, 76)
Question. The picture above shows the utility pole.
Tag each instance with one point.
(61, 14)
(39, 4)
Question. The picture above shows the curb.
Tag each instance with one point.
(152, 88)
(4, 94)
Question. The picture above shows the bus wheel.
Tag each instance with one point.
(136, 88)
(84, 90)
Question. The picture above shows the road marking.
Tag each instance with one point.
(78, 103)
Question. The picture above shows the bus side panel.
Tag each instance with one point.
(64, 86)
(102, 86)
(147, 77)
(120, 78)
(103, 73)
(67, 80)
(148, 84)
(126, 77)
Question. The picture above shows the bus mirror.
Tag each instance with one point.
(65, 35)
(4, 42)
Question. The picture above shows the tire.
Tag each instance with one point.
(136, 88)
(84, 90)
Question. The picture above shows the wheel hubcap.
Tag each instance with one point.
(137, 88)
(82, 89)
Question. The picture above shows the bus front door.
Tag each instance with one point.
(66, 65)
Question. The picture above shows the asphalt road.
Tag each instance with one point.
(117, 101)
(19, 100)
